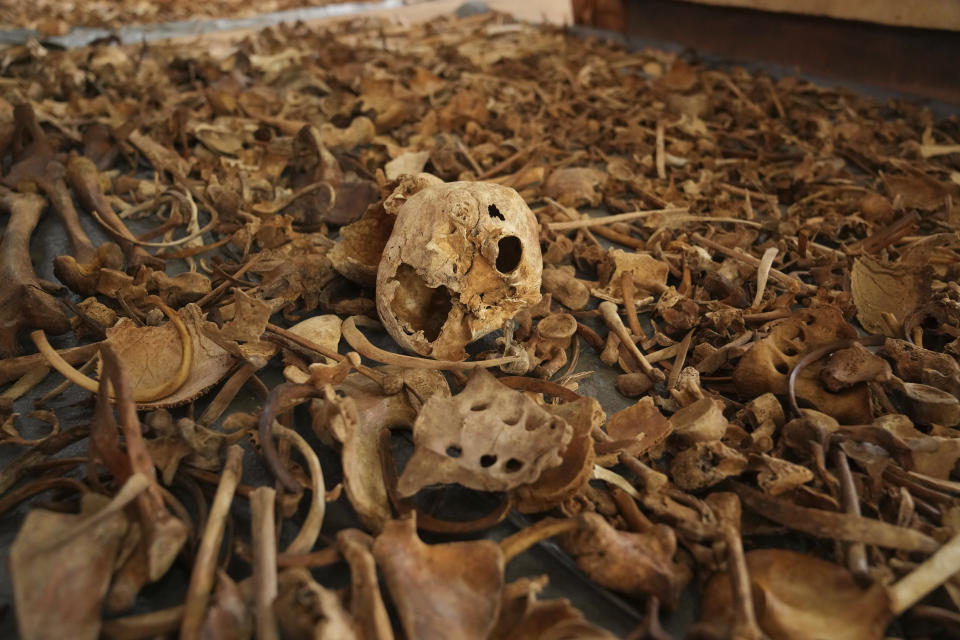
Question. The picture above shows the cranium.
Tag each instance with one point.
(463, 258)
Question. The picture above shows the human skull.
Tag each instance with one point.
(463, 258)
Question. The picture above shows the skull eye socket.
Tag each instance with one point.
(509, 253)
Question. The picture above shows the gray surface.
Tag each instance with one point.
(135, 33)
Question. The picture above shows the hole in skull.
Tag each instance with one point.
(513, 465)
(782, 368)
(479, 407)
(420, 307)
(488, 460)
(509, 253)
(454, 451)
(494, 212)
(790, 349)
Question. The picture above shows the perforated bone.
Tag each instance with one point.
(487, 437)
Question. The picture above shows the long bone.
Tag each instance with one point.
(25, 301)
(36, 161)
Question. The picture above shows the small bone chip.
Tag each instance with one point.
(487, 437)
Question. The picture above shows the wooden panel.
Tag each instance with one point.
(602, 14)
(926, 14)
(917, 61)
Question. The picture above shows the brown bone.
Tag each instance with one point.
(25, 301)
(85, 181)
(766, 366)
(37, 161)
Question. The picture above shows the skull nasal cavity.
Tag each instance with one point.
(509, 253)
(494, 212)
